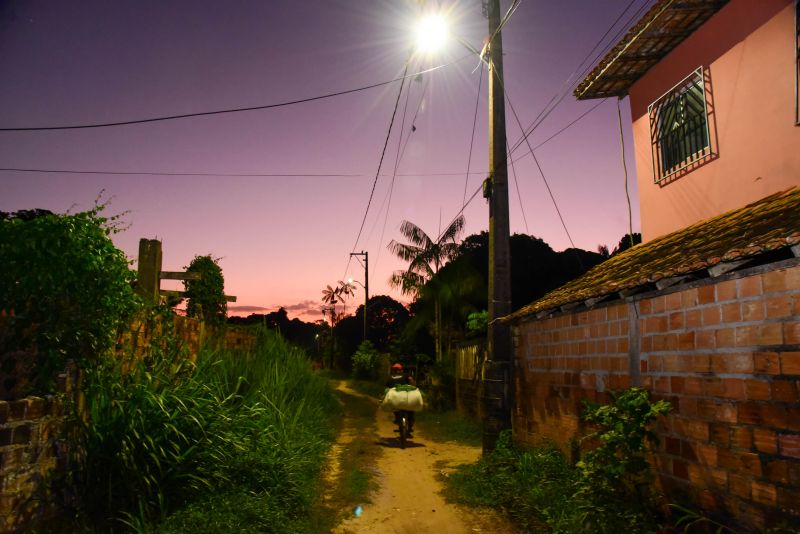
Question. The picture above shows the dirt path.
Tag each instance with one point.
(408, 499)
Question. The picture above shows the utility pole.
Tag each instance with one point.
(498, 395)
(366, 286)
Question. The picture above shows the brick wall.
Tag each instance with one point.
(725, 352)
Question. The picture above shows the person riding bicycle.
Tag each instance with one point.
(399, 378)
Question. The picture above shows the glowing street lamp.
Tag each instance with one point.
(431, 33)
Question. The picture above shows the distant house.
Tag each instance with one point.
(705, 312)
(714, 100)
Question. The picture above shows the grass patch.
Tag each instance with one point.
(370, 388)
(236, 441)
(449, 426)
(356, 462)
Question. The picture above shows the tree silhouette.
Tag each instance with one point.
(425, 257)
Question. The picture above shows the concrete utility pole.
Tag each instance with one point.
(366, 286)
(498, 395)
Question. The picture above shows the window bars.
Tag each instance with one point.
(679, 127)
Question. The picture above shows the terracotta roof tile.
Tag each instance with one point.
(768, 225)
(665, 25)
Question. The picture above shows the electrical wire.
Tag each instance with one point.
(625, 171)
(566, 86)
(218, 174)
(387, 200)
(380, 163)
(472, 137)
(227, 111)
(519, 195)
(541, 172)
(152, 173)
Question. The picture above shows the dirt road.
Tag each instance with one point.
(408, 499)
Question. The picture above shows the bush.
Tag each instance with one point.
(207, 295)
(365, 361)
(614, 476)
(65, 289)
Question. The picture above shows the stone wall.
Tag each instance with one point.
(725, 352)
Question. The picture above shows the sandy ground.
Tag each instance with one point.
(408, 499)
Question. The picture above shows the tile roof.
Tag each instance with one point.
(710, 247)
(666, 25)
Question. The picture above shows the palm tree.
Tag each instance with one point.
(345, 290)
(425, 257)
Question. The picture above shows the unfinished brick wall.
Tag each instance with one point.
(725, 352)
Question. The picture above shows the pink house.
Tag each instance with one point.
(705, 313)
(714, 100)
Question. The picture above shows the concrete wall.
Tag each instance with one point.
(748, 52)
(724, 352)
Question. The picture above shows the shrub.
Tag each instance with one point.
(65, 288)
(207, 295)
(365, 361)
(614, 476)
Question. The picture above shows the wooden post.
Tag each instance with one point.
(147, 283)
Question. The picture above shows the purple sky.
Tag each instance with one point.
(282, 239)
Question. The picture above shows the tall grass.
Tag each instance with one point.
(176, 444)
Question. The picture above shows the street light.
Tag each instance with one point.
(498, 393)
(431, 33)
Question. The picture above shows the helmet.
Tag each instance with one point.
(397, 367)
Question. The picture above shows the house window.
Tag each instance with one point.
(679, 128)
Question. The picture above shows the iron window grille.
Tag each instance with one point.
(679, 127)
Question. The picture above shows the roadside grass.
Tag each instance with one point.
(233, 443)
(449, 426)
(357, 461)
(608, 490)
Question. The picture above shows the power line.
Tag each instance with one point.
(217, 174)
(387, 200)
(380, 163)
(226, 111)
(559, 96)
(472, 137)
(154, 173)
(541, 172)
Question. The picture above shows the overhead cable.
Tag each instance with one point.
(226, 111)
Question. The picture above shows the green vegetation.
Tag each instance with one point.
(65, 290)
(449, 426)
(206, 297)
(605, 492)
(365, 361)
(233, 443)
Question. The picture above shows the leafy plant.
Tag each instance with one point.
(65, 289)
(604, 492)
(365, 361)
(613, 477)
(531, 485)
(206, 297)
